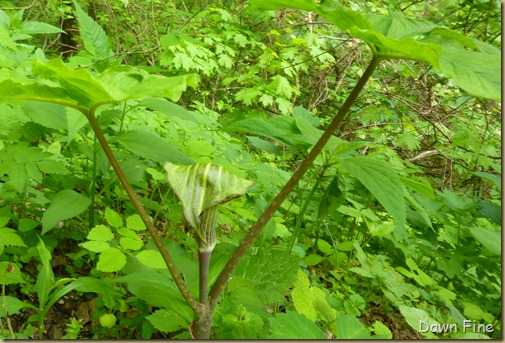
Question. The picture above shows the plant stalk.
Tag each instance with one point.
(179, 281)
(255, 230)
(204, 260)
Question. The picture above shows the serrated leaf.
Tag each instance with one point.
(35, 27)
(10, 273)
(100, 233)
(266, 99)
(93, 36)
(380, 229)
(423, 188)
(130, 240)
(9, 237)
(167, 321)
(383, 182)
(270, 280)
(64, 205)
(247, 95)
(134, 222)
(381, 331)
(95, 246)
(113, 218)
(111, 260)
(302, 298)
(281, 86)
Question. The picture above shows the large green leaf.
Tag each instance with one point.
(491, 240)
(491, 211)
(21, 88)
(56, 82)
(382, 181)
(152, 147)
(349, 327)
(35, 27)
(397, 26)
(292, 325)
(474, 66)
(419, 320)
(46, 114)
(167, 320)
(270, 280)
(282, 129)
(171, 110)
(202, 186)
(79, 84)
(125, 82)
(158, 289)
(65, 204)
(11, 305)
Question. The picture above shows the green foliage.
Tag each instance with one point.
(65, 204)
(292, 324)
(392, 36)
(102, 240)
(397, 222)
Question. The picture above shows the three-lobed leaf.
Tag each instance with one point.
(57, 83)
(474, 66)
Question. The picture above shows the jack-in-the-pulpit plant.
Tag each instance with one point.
(201, 189)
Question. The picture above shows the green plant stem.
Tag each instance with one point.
(179, 281)
(303, 210)
(255, 230)
(204, 259)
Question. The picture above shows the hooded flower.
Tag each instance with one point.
(201, 188)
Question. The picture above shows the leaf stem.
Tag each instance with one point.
(176, 275)
(255, 230)
(204, 259)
